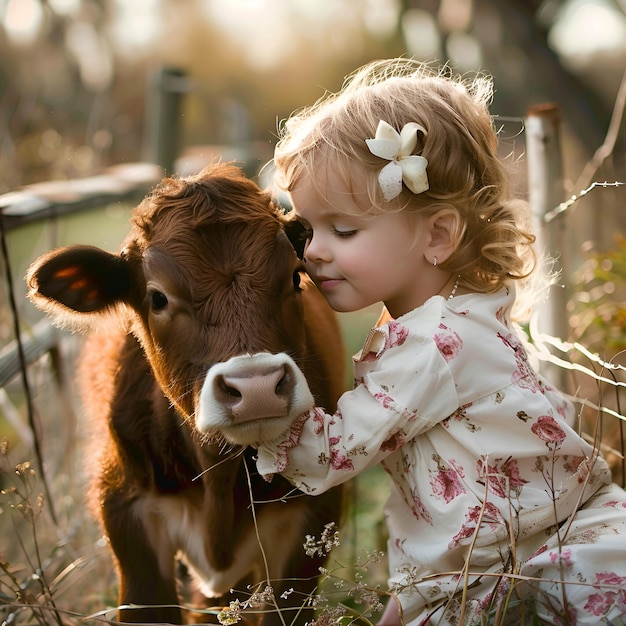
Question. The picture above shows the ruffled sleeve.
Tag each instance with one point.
(403, 386)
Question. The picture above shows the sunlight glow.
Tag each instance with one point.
(381, 18)
(464, 52)
(269, 30)
(22, 20)
(64, 7)
(586, 27)
(91, 54)
(421, 34)
(137, 23)
(257, 25)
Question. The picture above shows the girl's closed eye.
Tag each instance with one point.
(344, 232)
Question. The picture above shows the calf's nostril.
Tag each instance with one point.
(282, 388)
(227, 391)
(286, 384)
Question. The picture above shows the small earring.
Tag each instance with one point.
(434, 261)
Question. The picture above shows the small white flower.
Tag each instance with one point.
(404, 167)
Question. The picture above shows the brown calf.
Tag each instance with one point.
(206, 273)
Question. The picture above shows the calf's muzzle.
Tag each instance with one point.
(257, 395)
(252, 397)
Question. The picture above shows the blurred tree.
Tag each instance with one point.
(511, 40)
(73, 88)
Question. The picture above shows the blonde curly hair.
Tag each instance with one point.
(465, 174)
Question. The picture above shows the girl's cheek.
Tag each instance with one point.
(348, 261)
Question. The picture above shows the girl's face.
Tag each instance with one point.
(358, 259)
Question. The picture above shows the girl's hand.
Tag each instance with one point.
(391, 616)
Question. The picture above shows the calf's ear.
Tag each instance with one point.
(81, 279)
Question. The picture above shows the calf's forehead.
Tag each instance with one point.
(224, 259)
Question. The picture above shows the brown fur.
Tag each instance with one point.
(206, 273)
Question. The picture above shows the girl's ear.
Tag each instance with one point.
(445, 230)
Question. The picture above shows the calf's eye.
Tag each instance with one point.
(159, 300)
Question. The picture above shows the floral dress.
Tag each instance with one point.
(496, 501)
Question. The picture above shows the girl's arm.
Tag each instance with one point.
(393, 401)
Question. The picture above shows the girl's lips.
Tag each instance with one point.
(327, 284)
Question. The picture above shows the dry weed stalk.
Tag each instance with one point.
(25, 587)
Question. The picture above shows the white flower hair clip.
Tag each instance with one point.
(405, 167)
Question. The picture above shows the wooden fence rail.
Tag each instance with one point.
(42, 201)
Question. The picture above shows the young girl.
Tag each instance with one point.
(496, 501)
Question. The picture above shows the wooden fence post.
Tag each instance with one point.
(163, 113)
(546, 192)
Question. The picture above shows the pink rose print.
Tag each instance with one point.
(501, 478)
(385, 400)
(548, 430)
(564, 557)
(501, 316)
(397, 333)
(394, 442)
(460, 415)
(611, 592)
(448, 342)
(501, 591)
(561, 409)
(609, 578)
(446, 485)
(389, 403)
(488, 515)
(576, 465)
(338, 461)
(319, 418)
(614, 504)
(399, 543)
(420, 511)
(293, 438)
(524, 376)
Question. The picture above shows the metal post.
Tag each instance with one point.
(163, 111)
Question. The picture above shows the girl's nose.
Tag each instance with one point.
(315, 251)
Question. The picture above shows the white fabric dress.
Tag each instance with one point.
(489, 477)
